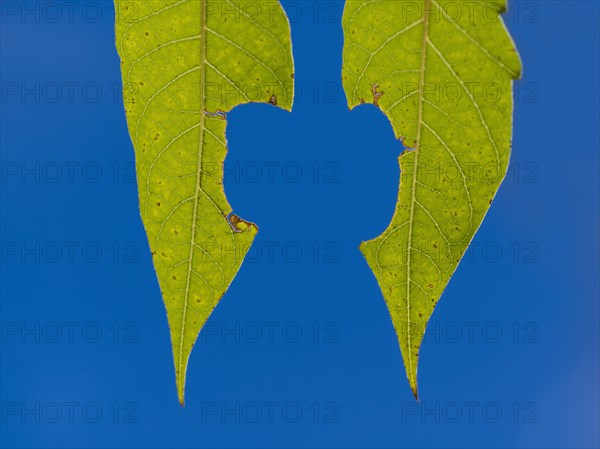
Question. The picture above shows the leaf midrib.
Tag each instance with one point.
(180, 367)
(414, 180)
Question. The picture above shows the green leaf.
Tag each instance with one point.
(185, 64)
(442, 72)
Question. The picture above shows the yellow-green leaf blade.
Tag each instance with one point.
(185, 64)
(442, 72)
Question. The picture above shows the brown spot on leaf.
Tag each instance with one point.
(376, 94)
(238, 224)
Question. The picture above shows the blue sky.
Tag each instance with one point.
(301, 351)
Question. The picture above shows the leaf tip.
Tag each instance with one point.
(415, 392)
(180, 375)
(180, 391)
